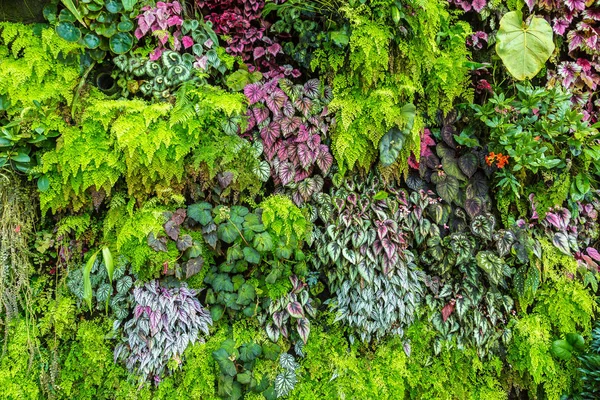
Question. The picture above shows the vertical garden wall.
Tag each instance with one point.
(303, 199)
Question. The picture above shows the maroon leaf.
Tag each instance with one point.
(306, 155)
(324, 159)
(172, 229)
(303, 328)
(313, 142)
(288, 108)
(260, 113)
(388, 247)
(295, 309)
(448, 309)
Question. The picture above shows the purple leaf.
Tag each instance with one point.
(297, 284)
(295, 309)
(172, 229)
(258, 52)
(553, 220)
(479, 4)
(388, 247)
(592, 252)
(274, 49)
(303, 104)
(254, 92)
(278, 318)
(382, 230)
(286, 172)
(311, 88)
(306, 155)
(324, 159)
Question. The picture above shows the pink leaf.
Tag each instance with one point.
(295, 309)
(303, 328)
(258, 52)
(274, 48)
(254, 92)
(592, 252)
(187, 42)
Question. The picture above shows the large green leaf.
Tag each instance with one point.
(121, 43)
(524, 47)
(68, 31)
(392, 142)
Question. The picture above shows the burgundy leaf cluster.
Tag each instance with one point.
(291, 121)
(241, 21)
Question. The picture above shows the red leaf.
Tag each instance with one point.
(448, 309)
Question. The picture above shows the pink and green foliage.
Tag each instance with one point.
(165, 321)
(295, 307)
(242, 23)
(292, 123)
(573, 235)
(164, 22)
(576, 21)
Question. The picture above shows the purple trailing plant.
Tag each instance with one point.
(165, 321)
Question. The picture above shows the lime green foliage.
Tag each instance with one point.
(333, 369)
(569, 305)
(88, 370)
(385, 70)
(282, 216)
(18, 376)
(555, 263)
(130, 226)
(144, 144)
(36, 64)
(530, 355)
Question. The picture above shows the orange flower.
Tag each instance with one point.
(502, 160)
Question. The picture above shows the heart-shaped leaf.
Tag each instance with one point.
(524, 47)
